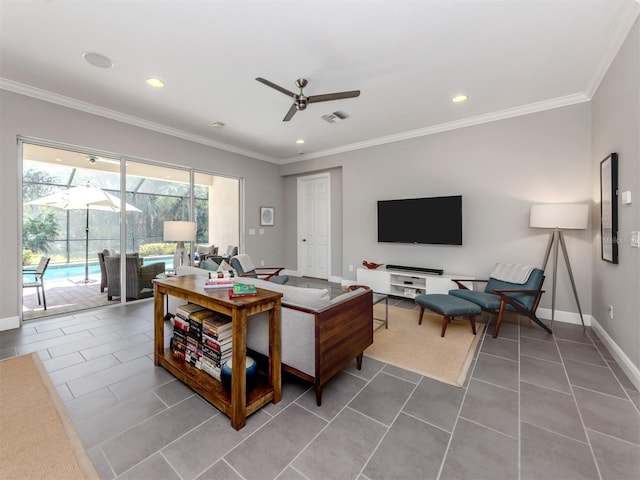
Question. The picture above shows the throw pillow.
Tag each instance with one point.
(209, 264)
(225, 267)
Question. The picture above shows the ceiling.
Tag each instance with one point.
(408, 59)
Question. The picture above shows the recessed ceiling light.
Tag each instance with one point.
(300, 141)
(155, 82)
(459, 98)
(97, 60)
(218, 124)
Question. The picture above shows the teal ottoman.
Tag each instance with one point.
(448, 306)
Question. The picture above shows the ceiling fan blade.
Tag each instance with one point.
(292, 111)
(273, 85)
(333, 96)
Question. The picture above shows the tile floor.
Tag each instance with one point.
(535, 406)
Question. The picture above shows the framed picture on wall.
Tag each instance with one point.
(609, 208)
(267, 216)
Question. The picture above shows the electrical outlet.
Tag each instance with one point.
(611, 312)
(262, 263)
(351, 268)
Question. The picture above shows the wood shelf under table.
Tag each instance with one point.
(236, 404)
(212, 390)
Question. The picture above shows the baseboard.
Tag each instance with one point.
(9, 323)
(625, 363)
(565, 317)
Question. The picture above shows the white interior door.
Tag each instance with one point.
(314, 212)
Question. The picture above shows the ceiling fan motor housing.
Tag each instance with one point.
(301, 102)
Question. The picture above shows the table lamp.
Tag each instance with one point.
(559, 217)
(180, 232)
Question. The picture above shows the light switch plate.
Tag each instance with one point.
(635, 240)
(625, 197)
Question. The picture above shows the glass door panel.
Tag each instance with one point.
(67, 218)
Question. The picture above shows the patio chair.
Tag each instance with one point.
(511, 288)
(232, 250)
(245, 267)
(38, 279)
(203, 252)
(103, 270)
(139, 277)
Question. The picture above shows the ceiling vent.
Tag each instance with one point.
(335, 117)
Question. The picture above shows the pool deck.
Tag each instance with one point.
(64, 296)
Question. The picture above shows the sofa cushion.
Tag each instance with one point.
(346, 296)
(312, 298)
(187, 270)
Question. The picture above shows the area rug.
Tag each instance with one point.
(38, 439)
(421, 349)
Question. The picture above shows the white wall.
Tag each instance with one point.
(21, 115)
(500, 168)
(616, 128)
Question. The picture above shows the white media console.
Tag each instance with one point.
(406, 283)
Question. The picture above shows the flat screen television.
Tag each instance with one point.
(430, 220)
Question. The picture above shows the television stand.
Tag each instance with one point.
(408, 283)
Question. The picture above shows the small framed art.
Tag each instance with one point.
(267, 216)
(609, 208)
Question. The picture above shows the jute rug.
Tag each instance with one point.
(37, 439)
(421, 349)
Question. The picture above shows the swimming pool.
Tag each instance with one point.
(62, 271)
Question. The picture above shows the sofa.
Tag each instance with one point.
(320, 335)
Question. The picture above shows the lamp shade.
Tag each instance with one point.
(179, 231)
(566, 216)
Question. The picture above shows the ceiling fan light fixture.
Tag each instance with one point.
(155, 82)
(459, 98)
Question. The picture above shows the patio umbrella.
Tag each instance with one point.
(85, 196)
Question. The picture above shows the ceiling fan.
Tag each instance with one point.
(300, 101)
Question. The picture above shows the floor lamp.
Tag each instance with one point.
(180, 232)
(559, 217)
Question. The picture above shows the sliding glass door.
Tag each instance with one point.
(83, 239)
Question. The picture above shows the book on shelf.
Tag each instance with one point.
(216, 325)
(221, 338)
(220, 346)
(181, 324)
(178, 348)
(218, 283)
(187, 309)
(210, 367)
(243, 290)
(180, 336)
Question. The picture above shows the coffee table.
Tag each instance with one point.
(378, 298)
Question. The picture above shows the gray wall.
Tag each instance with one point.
(616, 128)
(500, 168)
(21, 115)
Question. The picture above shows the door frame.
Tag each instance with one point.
(326, 176)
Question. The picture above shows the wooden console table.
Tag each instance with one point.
(236, 405)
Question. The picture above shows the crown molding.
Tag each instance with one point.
(444, 127)
(29, 91)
